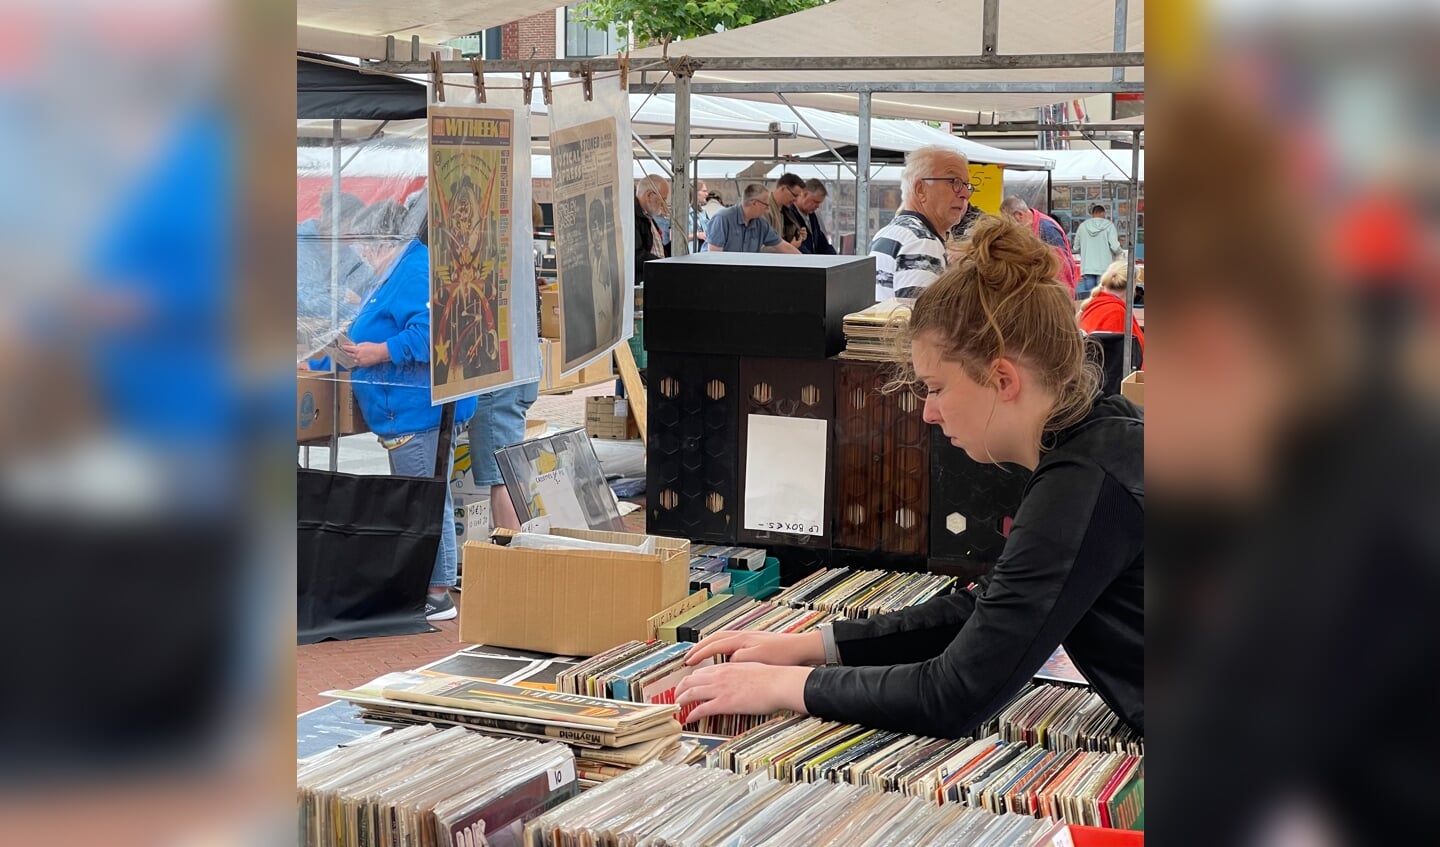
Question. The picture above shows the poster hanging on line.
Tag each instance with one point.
(588, 235)
(471, 154)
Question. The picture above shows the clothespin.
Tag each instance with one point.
(587, 74)
(438, 77)
(477, 67)
(527, 84)
(545, 85)
(625, 70)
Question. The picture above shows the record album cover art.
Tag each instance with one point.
(471, 151)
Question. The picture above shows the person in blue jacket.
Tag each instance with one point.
(391, 381)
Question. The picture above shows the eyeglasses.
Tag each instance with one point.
(956, 184)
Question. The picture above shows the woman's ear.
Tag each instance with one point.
(1006, 379)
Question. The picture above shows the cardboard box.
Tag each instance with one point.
(550, 312)
(1132, 388)
(314, 406)
(572, 603)
(550, 380)
(609, 417)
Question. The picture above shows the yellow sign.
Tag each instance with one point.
(987, 180)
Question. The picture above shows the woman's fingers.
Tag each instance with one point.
(715, 645)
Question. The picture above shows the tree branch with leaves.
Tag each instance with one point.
(663, 21)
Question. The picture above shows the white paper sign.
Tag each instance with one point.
(555, 498)
(785, 472)
(477, 519)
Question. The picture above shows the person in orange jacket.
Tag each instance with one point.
(1105, 310)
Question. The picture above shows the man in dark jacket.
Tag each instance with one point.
(652, 197)
(810, 200)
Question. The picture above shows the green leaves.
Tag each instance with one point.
(664, 21)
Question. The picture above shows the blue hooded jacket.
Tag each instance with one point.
(395, 395)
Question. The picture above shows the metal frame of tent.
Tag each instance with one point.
(682, 69)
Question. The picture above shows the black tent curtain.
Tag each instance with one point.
(325, 92)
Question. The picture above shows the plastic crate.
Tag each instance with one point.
(637, 343)
(758, 584)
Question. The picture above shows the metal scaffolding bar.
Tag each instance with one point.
(862, 179)
(680, 166)
(989, 27)
(797, 63)
(1061, 88)
(1134, 240)
(1122, 15)
(818, 134)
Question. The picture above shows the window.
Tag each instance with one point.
(582, 41)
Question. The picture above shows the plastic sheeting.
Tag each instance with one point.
(340, 263)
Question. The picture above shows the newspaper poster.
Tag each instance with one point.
(471, 153)
(588, 231)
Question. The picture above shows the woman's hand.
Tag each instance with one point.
(742, 688)
(367, 353)
(767, 648)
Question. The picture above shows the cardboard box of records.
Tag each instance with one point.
(569, 602)
(1132, 388)
(609, 417)
(315, 405)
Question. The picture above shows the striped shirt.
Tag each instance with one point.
(909, 255)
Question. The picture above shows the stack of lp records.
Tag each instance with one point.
(663, 804)
(617, 734)
(872, 335)
(429, 787)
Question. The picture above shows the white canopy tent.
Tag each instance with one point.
(925, 28)
(1094, 165)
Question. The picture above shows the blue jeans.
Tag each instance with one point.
(416, 457)
(1087, 285)
(499, 422)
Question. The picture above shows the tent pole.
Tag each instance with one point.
(695, 186)
(862, 179)
(1130, 263)
(680, 197)
(335, 215)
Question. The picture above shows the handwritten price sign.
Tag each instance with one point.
(797, 528)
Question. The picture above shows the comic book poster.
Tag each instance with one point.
(471, 152)
(588, 233)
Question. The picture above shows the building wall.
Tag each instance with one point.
(532, 37)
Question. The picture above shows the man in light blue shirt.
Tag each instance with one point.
(742, 228)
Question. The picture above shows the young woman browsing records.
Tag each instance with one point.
(995, 348)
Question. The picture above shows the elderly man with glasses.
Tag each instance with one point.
(934, 194)
(742, 228)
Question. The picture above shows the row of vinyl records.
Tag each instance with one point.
(700, 807)
(425, 787)
(1092, 788)
(828, 595)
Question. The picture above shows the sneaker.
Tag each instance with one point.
(439, 607)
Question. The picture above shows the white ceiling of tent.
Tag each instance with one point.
(432, 20)
(848, 28)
